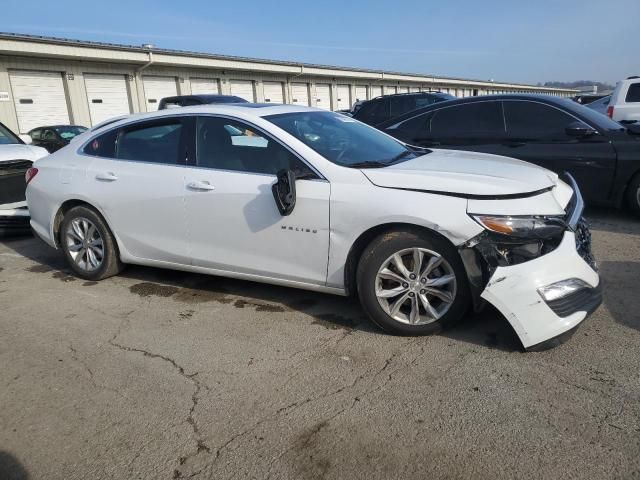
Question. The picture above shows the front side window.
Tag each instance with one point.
(227, 144)
(151, 142)
(342, 140)
(7, 137)
(472, 120)
(535, 121)
(633, 94)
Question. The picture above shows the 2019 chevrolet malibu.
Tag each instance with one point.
(316, 200)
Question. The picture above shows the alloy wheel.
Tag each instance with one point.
(416, 286)
(84, 244)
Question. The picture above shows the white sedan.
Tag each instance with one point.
(316, 200)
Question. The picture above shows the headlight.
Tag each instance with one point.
(534, 227)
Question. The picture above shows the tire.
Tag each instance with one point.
(633, 194)
(375, 282)
(83, 256)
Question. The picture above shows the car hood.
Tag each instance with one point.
(17, 151)
(467, 174)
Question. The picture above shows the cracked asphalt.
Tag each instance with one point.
(164, 375)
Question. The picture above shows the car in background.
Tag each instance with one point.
(624, 106)
(588, 98)
(191, 100)
(16, 158)
(558, 134)
(600, 105)
(55, 137)
(380, 109)
(266, 192)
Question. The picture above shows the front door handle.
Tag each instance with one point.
(202, 185)
(107, 177)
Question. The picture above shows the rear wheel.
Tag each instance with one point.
(88, 245)
(633, 194)
(412, 283)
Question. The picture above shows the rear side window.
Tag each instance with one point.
(103, 145)
(633, 94)
(227, 144)
(532, 120)
(154, 143)
(473, 120)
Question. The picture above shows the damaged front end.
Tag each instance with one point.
(538, 270)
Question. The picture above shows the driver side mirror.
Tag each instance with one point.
(579, 130)
(284, 191)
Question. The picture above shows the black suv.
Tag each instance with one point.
(190, 100)
(381, 109)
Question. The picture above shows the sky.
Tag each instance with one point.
(503, 40)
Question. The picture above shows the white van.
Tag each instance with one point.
(624, 106)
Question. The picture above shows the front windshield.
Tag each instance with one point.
(343, 140)
(68, 132)
(7, 137)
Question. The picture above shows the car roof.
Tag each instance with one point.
(56, 126)
(203, 96)
(240, 110)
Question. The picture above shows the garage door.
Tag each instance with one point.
(361, 93)
(107, 95)
(376, 91)
(39, 99)
(204, 85)
(390, 90)
(343, 102)
(156, 88)
(300, 94)
(403, 89)
(415, 89)
(323, 96)
(243, 89)
(273, 92)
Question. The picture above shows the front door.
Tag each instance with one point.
(233, 222)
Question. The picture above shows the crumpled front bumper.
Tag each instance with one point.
(513, 290)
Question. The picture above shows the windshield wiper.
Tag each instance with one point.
(401, 155)
(367, 164)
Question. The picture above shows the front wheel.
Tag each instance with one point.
(412, 283)
(633, 194)
(88, 245)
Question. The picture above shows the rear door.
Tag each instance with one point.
(233, 221)
(136, 177)
(536, 134)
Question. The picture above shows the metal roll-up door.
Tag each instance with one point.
(205, 86)
(343, 100)
(414, 89)
(39, 98)
(300, 94)
(376, 91)
(107, 95)
(273, 92)
(243, 89)
(323, 96)
(361, 93)
(157, 88)
(403, 89)
(390, 90)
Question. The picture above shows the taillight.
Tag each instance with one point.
(30, 174)
(610, 111)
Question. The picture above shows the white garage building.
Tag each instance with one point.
(48, 81)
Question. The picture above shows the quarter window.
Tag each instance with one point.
(633, 94)
(533, 120)
(227, 144)
(155, 143)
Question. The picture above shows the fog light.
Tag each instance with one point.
(562, 289)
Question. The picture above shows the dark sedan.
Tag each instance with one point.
(381, 109)
(552, 132)
(54, 137)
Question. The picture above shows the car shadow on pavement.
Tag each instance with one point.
(488, 329)
(620, 285)
(11, 468)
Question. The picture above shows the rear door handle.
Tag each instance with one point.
(107, 177)
(202, 185)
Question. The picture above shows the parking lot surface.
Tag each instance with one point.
(163, 375)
